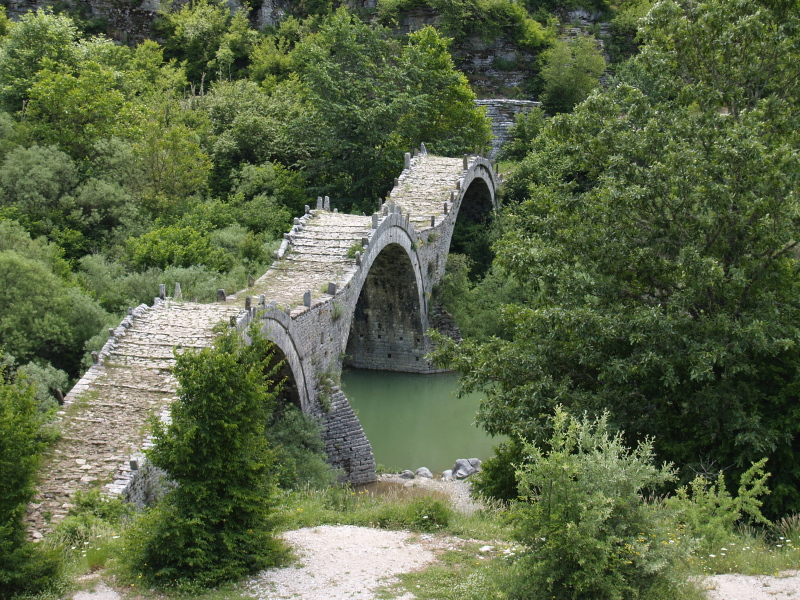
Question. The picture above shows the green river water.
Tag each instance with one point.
(415, 420)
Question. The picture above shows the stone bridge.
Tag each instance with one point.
(344, 290)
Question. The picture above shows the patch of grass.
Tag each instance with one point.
(355, 247)
(471, 572)
(337, 310)
(395, 507)
(228, 591)
(91, 533)
(752, 553)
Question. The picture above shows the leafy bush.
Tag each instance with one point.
(215, 526)
(589, 529)
(45, 379)
(55, 335)
(709, 512)
(421, 514)
(570, 70)
(176, 246)
(301, 459)
(477, 308)
(498, 475)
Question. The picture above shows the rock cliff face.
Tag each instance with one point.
(494, 69)
(126, 21)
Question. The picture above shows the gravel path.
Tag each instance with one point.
(345, 561)
(785, 586)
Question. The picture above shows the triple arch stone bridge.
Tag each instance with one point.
(344, 290)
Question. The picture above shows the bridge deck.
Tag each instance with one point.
(105, 419)
(422, 190)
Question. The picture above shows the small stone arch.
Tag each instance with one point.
(276, 326)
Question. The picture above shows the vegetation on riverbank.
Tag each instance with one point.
(704, 530)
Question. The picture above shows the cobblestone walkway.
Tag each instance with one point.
(317, 252)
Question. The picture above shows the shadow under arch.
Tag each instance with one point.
(471, 232)
(387, 327)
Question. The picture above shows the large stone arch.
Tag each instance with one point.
(385, 328)
(478, 182)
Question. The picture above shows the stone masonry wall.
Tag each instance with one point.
(502, 113)
(387, 331)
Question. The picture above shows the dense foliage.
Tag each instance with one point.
(656, 239)
(23, 567)
(124, 167)
(570, 71)
(215, 525)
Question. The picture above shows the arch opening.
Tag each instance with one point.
(290, 392)
(386, 332)
(472, 230)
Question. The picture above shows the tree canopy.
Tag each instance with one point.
(658, 245)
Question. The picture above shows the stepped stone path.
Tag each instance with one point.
(317, 251)
(105, 416)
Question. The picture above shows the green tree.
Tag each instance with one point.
(215, 526)
(42, 316)
(657, 245)
(74, 111)
(443, 113)
(522, 133)
(570, 71)
(34, 180)
(38, 37)
(373, 98)
(23, 567)
(172, 162)
(208, 39)
(352, 78)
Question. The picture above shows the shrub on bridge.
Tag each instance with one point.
(216, 525)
